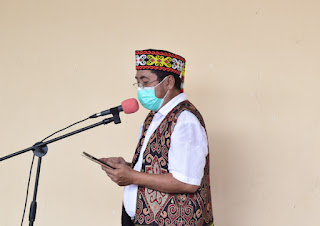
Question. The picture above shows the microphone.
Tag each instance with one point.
(128, 106)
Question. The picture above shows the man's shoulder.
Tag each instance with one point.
(187, 106)
(187, 112)
(188, 117)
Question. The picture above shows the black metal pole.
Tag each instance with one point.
(40, 149)
(33, 206)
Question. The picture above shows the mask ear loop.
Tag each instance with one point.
(183, 72)
(160, 82)
(163, 100)
(164, 95)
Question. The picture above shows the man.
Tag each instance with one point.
(168, 181)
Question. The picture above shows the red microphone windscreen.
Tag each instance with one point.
(130, 106)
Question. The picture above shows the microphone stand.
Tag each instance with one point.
(40, 149)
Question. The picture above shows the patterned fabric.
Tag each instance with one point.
(158, 208)
(161, 60)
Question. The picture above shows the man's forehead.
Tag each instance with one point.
(144, 74)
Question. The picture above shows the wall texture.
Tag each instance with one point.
(252, 70)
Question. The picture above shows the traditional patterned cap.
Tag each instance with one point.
(161, 60)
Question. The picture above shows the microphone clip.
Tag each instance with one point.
(115, 113)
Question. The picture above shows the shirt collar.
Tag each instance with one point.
(172, 103)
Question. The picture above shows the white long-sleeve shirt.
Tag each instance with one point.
(187, 153)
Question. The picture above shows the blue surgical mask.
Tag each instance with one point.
(148, 99)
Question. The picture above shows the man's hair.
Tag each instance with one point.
(162, 74)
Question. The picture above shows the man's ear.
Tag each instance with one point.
(171, 82)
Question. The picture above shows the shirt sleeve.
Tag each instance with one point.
(188, 149)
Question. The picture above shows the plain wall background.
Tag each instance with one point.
(252, 70)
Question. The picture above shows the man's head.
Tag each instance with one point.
(162, 63)
(158, 77)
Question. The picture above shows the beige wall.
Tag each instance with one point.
(252, 70)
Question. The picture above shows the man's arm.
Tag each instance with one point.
(124, 175)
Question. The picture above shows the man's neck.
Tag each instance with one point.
(172, 94)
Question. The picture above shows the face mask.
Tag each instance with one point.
(148, 99)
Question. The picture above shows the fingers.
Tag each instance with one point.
(120, 175)
(114, 164)
(119, 160)
(114, 159)
(113, 178)
(117, 167)
(108, 170)
(103, 159)
(121, 172)
(112, 174)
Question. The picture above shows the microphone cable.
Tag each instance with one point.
(64, 129)
(28, 186)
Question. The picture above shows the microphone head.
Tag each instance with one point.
(130, 106)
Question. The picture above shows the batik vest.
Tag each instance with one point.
(158, 208)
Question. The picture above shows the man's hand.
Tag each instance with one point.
(122, 174)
